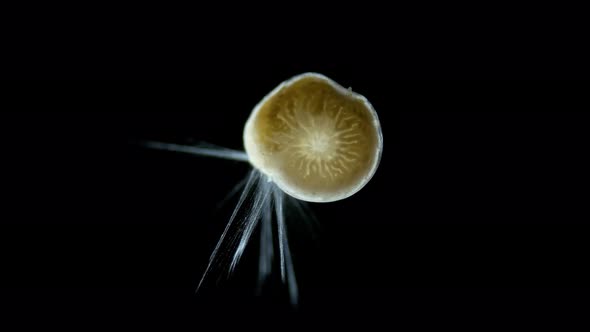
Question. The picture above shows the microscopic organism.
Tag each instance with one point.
(308, 140)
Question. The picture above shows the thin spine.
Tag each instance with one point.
(252, 177)
(217, 152)
(260, 209)
(281, 230)
(287, 271)
(251, 220)
(236, 189)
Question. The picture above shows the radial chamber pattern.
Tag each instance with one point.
(318, 141)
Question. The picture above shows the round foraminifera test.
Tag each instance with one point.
(318, 141)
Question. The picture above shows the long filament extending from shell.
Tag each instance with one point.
(281, 225)
(252, 177)
(261, 197)
(233, 192)
(255, 206)
(200, 150)
(287, 270)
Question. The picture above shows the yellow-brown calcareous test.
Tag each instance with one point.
(316, 140)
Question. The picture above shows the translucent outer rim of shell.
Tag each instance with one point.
(252, 150)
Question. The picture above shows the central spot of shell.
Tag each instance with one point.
(319, 144)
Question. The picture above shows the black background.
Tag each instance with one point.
(477, 216)
(478, 206)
